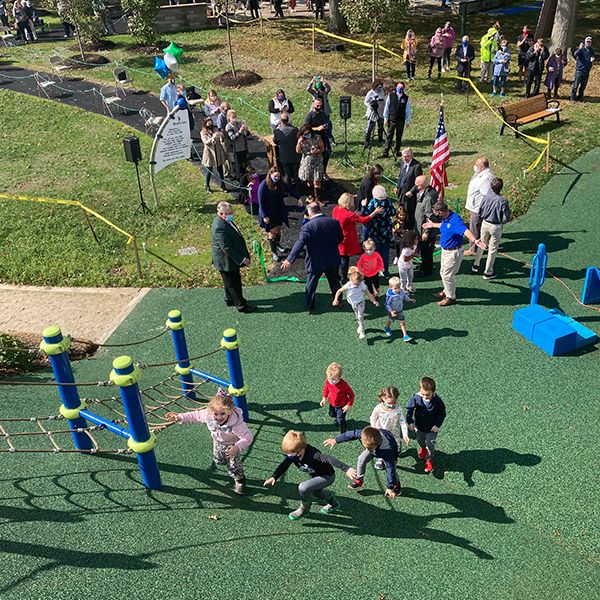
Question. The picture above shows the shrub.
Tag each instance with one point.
(9, 359)
(142, 20)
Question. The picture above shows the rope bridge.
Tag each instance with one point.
(137, 414)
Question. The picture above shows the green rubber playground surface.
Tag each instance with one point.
(511, 510)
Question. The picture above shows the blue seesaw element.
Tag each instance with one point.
(591, 286)
(551, 330)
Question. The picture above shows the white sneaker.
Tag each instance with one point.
(361, 335)
(395, 260)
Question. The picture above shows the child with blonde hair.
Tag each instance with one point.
(394, 304)
(388, 414)
(405, 260)
(370, 264)
(229, 433)
(339, 394)
(320, 466)
(356, 290)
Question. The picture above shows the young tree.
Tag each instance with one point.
(142, 20)
(373, 17)
(88, 27)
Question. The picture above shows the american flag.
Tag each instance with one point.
(441, 155)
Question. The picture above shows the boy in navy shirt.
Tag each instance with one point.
(425, 413)
(377, 443)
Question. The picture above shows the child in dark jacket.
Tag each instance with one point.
(377, 443)
(425, 413)
(320, 468)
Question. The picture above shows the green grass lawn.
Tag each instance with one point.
(66, 153)
(281, 53)
(511, 511)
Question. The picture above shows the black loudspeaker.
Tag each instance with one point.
(133, 152)
(337, 47)
(345, 107)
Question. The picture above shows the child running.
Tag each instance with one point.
(388, 415)
(429, 413)
(370, 264)
(394, 304)
(405, 262)
(339, 394)
(377, 443)
(356, 290)
(229, 433)
(318, 465)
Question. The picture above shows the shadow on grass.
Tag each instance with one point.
(527, 241)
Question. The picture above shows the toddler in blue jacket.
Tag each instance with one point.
(394, 304)
(377, 443)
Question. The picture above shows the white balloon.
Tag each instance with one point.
(171, 63)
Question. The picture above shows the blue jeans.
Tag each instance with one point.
(501, 79)
(336, 412)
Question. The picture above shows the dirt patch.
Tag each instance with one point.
(84, 313)
(149, 50)
(241, 79)
(101, 45)
(78, 351)
(360, 85)
(91, 61)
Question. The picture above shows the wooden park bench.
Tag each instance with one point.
(528, 110)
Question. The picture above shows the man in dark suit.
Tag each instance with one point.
(321, 237)
(229, 254)
(409, 171)
(424, 197)
(286, 137)
(465, 54)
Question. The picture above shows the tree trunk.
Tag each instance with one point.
(229, 45)
(544, 24)
(337, 23)
(374, 59)
(80, 44)
(563, 32)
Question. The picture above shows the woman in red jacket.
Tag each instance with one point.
(348, 220)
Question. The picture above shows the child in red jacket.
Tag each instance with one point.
(370, 264)
(339, 394)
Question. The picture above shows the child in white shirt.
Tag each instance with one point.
(405, 260)
(356, 290)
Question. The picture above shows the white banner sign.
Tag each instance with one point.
(175, 143)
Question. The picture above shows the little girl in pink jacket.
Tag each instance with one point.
(228, 430)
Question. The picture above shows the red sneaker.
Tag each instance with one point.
(422, 453)
(428, 466)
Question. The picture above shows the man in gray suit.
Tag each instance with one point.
(286, 138)
(424, 197)
(229, 254)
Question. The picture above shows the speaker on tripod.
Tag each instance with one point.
(133, 153)
(345, 114)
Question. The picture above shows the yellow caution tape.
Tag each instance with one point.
(390, 52)
(537, 140)
(69, 203)
(337, 37)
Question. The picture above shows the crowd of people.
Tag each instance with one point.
(381, 439)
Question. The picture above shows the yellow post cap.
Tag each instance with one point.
(174, 314)
(122, 362)
(231, 332)
(51, 331)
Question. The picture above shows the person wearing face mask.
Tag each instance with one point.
(489, 47)
(465, 54)
(448, 34)
(436, 51)
(320, 125)
(425, 414)
(272, 211)
(285, 137)
(168, 94)
(479, 186)
(237, 132)
(424, 197)
(501, 68)
(229, 255)
(585, 57)
(311, 148)
(409, 47)
(213, 154)
(396, 114)
(536, 62)
(338, 394)
(374, 101)
(554, 72)
(369, 181)
(524, 42)
(319, 89)
(277, 105)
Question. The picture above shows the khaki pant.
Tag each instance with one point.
(487, 71)
(490, 234)
(474, 227)
(449, 267)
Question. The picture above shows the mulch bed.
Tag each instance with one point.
(360, 85)
(148, 50)
(241, 79)
(77, 351)
(91, 61)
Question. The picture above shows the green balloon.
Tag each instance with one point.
(175, 50)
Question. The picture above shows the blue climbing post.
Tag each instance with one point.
(237, 388)
(537, 276)
(126, 375)
(57, 349)
(176, 324)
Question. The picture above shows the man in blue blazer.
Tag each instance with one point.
(321, 237)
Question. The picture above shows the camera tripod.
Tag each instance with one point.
(345, 160)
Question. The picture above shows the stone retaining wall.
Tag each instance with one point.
(182, 17)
